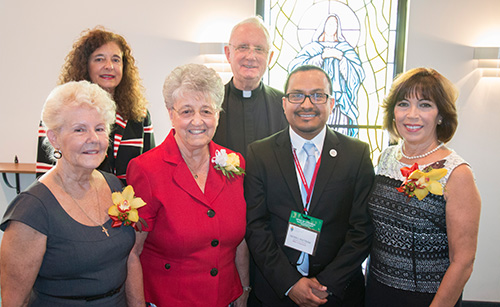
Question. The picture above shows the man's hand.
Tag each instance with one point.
(302, 295)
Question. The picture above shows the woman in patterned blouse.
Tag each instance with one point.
(424, 244)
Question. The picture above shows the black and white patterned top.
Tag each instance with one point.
(410, 245)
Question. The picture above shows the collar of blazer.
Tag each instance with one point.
(182, 175)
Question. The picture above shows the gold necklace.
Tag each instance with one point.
(191, 169)
(104, 230)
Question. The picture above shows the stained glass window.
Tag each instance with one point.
(357, 42)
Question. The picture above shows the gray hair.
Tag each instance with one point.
(257, 21)
(194, 79)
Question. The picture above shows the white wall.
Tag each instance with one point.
(442, 34)
(35, 36)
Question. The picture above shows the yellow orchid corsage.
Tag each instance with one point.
(229, 164)
(419, 183)
(124, 210)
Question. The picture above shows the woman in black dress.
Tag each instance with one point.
(59, 246)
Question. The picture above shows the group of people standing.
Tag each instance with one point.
(250, 200)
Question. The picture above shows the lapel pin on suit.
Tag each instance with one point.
(333, 153)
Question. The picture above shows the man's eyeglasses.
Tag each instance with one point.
(315, 98)
(246, 49)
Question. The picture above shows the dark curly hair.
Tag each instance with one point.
(423, 83)
(129, 94)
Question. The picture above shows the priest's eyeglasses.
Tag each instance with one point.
(315, 98)
(245, 49)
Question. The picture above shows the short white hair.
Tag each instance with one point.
(255, 20)
(193, 79)
(76, 94)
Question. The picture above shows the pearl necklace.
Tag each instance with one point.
(419, 156)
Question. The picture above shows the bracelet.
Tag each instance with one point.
(247, 289)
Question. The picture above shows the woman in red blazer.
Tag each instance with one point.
(192, 252)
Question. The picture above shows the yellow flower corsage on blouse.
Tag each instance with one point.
(124, 210)
(419, 183)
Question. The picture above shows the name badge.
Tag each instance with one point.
(303, 232)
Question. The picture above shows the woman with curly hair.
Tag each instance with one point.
(105, 58)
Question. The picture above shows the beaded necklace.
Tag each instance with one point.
(419, 156)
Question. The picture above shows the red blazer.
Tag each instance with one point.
(189, 255)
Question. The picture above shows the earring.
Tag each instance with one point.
(57, 154)
(393, 119)
(440, 121)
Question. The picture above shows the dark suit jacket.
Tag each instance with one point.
(340, 199)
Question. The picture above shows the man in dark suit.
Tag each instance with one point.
(275, 186)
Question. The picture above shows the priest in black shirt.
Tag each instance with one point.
(252, 110)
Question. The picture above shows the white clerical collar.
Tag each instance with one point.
(298, 141)
(246, 94)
